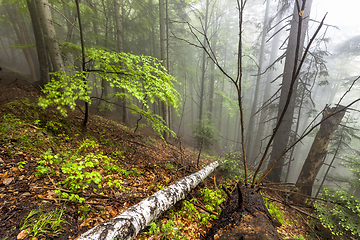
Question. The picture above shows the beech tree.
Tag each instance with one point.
(50, 34)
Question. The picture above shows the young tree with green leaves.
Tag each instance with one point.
(144, 78)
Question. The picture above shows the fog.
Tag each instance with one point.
(327, 75)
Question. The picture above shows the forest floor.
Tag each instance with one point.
(57, 180)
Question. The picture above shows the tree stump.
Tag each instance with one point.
(245, 217)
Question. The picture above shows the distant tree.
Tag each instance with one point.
(350, 46)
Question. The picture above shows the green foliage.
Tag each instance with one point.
(168, 230)
(344, 216)
(231, 164)
(343, 213)
(20, 135)
(212, 198)
(43, 223)
(81, 169)
(300, 237)
(168, 165)
(143, 77)
(206, 132)
(21, 164)
(231, 104)
(65, 89)
(353, 164)
(275, 211)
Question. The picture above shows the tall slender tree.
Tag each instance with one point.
(294, 51)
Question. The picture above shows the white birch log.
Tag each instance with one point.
(128, 224)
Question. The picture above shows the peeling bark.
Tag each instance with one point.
(128, 224)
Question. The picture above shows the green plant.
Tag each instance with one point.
(43, 223)
(342, 213)
(296, 236)
(144, 77)
(275, 211)
(84, 211)
(168, 165)
(212, 199)
(21, 164)
(231, 164)
(46, 162)
(20, 135)
(206, 133)
(154, 229)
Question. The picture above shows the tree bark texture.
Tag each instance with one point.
(293, 56)
(246, 217)
(128, 224)
(119, 34)
(50, 35)
(164, 105)
(318, 149)
(40, 42)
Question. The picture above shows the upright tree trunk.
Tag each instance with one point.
(318, 149)
(18, 27)
(125, 112)
(294, 51)
(212, 69)
(50, 35)
(252, 120)
(40, 42)
(203, 63)
(163, 59)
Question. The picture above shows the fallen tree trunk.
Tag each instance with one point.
(128, 224)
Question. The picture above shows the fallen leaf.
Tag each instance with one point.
(23, 234)
(7, 181)
(25, 194)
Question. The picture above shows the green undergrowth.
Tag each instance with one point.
(42, 223)
(276, 212)
(84, 167)
(180, 224)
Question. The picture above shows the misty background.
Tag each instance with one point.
(208, 97)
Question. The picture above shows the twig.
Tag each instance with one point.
(204, 208)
